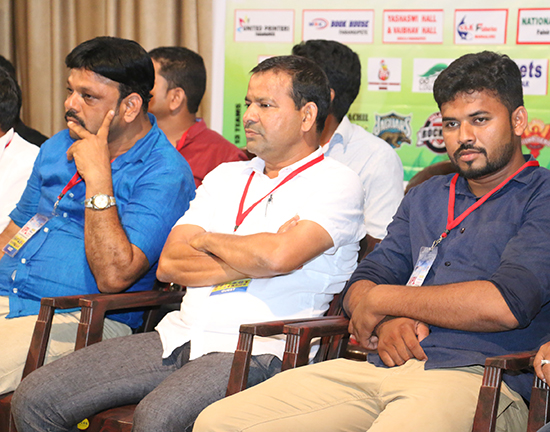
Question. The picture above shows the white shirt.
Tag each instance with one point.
(327, 193)
(16, 162)
(379, 168)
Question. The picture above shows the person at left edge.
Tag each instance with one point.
(124, 187)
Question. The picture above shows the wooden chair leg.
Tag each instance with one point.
(241, 364)
(489, 395)
(538, 407)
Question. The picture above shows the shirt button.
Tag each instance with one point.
(448, 263)
(462, 230)
(46, 230)
(15, 290)
(65, 215)
(71, 195)
(23, 261)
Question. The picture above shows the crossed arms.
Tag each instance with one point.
(194, 257)
(395, 318)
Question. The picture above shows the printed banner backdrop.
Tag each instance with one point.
(402, 51)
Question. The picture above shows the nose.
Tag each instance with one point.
(70, 101)
(250, 115)
(466, 133)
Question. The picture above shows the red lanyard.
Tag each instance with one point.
(7, 145)
(242, 215)
(74, 181)
(452, 222)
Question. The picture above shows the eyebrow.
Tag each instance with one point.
(475, 114)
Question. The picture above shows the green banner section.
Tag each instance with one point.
(402, 50)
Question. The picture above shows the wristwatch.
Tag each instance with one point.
(100, 202)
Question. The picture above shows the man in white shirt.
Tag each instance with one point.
(16, 155)
(376, 163)
(271, 238)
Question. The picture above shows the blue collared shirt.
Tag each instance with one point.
(505, 241)
(152, 184)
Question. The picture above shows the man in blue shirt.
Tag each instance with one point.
(462, 274)
(101, 200)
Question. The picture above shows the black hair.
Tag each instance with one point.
(121, 60)
(183, 68)
(7, 66)
(486, 70)
(309, 83)
(342, 67)
(10, 100)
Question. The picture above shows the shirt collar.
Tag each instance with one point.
(142, 148)
(5, 139)
(522, 177)
(342, 134)
(258, 165)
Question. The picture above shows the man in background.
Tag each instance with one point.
(16, 154)
(27, 133)
(376, 163)
(180, 82)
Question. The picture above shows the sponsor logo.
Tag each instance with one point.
(384, 71)
(464, 30)
(431, 134)
(427, 79)
(319, 23)
(536, 136)
(393, 128)
(243, 24)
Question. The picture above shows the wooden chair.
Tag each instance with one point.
(489, 394)
(90, 329)
(300, 335)
(119, 419)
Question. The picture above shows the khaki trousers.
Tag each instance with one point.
(346, 395)
(16, 334)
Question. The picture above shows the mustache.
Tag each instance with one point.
(71, 115)
(464, 147)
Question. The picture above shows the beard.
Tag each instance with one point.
(495, 163)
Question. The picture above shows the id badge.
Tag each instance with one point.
(423, 265)
(233, 286)
(29, 229)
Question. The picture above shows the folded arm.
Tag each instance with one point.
(476, 306)
(194, 257)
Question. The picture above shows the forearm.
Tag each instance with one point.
(186, 266)
(113, 260)
(471, 306)
(182, 264)
(257, 255)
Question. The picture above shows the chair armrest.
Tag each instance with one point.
(241, 360)
(300, 335)
(90, 328)
(513, 362)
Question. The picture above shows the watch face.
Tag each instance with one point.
(101, 201)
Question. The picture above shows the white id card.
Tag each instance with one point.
(423, 265)
(24, 234)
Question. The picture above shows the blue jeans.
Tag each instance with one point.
(127, 370)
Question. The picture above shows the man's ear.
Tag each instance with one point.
(309, 116)
(519, 120)
(132, 104)
(177, 98)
